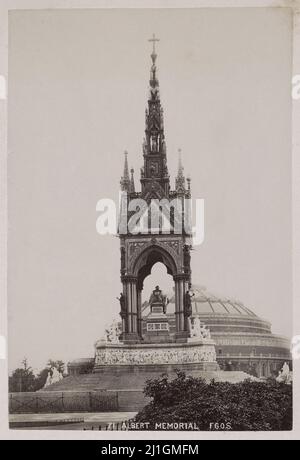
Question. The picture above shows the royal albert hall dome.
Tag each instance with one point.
(244, 341)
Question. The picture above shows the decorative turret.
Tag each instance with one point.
(132, 186)
(188, 179)
(125, 181)
(180, 179)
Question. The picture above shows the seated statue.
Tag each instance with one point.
(157, 297)
(285, 375)
(56, 375)
(197, 329)
(205, 332)
(53, 376)
(113, 333)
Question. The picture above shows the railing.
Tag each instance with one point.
(68, 401)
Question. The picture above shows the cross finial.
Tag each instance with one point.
(153, 40)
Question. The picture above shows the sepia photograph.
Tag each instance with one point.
(150, 221)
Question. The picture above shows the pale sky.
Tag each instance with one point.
(78, 86)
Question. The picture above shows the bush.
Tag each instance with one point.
(242, 406)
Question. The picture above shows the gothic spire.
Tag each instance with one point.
(125, 180)
(188, 179)
(180, 179)
(154, 85)
(132, 186)
(180, 167)
(154, 146)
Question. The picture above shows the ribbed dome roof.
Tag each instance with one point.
(230, 322)
(206, 303)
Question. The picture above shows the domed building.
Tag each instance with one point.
(244, 341)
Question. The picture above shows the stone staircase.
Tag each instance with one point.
(107, 381)
(130, 386)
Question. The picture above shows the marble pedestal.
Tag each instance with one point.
(157, 325)
(155, 357)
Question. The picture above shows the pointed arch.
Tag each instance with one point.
(150, 256)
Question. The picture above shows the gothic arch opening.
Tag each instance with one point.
(145, 261)
(158, 276)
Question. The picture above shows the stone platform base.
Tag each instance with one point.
(199, 355)
(124, 368)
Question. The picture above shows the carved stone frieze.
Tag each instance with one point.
(168, 355)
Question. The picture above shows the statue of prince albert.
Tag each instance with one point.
(158, 297)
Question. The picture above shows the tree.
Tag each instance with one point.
(22, 379)
(242, 406)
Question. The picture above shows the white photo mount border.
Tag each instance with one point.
(5, 7)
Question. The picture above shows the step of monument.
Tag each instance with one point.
(232, 376)
(110, 381)
(129, 387)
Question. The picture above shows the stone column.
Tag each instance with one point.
(133, 307)
(181, 283)
(139, 312)
(185, 289)
(177, 309)
(129, 306)
(130, 332)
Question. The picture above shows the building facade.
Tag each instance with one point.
(244, 341)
